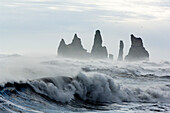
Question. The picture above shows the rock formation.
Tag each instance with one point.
(62, 48)
(98, 51)
(73, 50)
(120, 57)
(137, 51)
(76, 50)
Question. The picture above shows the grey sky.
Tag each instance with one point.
(37, 26)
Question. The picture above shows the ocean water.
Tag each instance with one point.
(53, 85)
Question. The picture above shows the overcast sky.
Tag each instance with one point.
(36, 26)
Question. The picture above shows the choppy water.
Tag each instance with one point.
(62, 85)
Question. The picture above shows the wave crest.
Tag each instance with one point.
(94, 88)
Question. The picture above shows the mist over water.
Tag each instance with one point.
(50, 84)
(41, 80)
(36, 26)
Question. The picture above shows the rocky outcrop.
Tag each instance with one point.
(76, 50)
(98, 51)
(137, 51)
(72, 50)
(62, 48)
(120, 57)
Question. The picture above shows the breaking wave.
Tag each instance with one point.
(94, 89)
(66, 85)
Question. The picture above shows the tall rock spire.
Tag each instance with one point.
(97, 39)
(98, 51)
(120, 57)
(137, 51)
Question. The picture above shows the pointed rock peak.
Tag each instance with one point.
(132, 36)
(121, 44)
(75, 36)
(98, 38)
(136, 41)
(62, 47)
(76, 39)
(72, 50)
(97, 31)
(137, 51)
(98, 51)
(62, 41)
(121, 47)
(76, 42)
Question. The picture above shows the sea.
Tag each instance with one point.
(57, 85)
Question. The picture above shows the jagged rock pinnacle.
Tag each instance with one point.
(98, 51)
(137, 51)
(120, 57)
(72, 50)
(62, 48)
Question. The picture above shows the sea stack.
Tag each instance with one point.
(62, 48)
(72, 50)
(98, 51)
(137, 51)
(120, 57)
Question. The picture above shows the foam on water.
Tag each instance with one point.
(72, 85)
(96, 88)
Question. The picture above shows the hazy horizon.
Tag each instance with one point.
(37, 26)
(35, 79)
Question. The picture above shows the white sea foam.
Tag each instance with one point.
(97, 88)
(66, 80)
(96, 81)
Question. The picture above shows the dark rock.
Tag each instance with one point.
(111, 56)
(73, 50)
(98, 51)
(62, 48)
(137, 51)
(120, 57)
